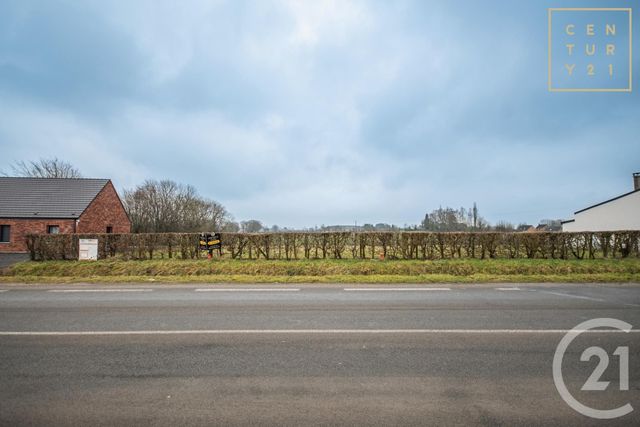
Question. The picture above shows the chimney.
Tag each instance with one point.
(636, 181)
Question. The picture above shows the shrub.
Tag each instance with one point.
(337, 245)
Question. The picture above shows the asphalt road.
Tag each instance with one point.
(309, 354)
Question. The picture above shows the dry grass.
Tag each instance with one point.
(340, 271)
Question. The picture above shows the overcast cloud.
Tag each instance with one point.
(315, 112)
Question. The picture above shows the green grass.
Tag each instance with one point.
(322, 271)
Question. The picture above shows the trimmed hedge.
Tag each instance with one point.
(336, 245)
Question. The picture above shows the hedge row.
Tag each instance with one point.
(361, 245)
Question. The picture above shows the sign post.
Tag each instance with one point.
(210, 241)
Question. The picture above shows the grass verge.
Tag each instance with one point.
(325, 271)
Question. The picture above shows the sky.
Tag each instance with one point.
(304, 113)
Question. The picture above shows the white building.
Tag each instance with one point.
(619, 213)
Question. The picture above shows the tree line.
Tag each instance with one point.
(160, 206)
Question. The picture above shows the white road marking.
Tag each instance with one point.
(395, 289)
(508, 289)
(632, 305)
(573, 296)
(247, 290)
(98, 290)
(313, 331)
(4, 290)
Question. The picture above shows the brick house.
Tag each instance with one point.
(57, 205)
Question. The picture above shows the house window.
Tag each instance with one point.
(5, 233)
(109, 229)
(53, 229)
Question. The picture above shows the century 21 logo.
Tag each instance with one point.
(590, 50)
(594, 383)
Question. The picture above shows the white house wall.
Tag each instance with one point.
(619, 214)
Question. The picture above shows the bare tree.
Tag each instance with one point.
(450, 219)
(475, 215)
(445, 219)
(251, 226)
(504, 226)
(230, 226)
(45, 168)
(167, 206)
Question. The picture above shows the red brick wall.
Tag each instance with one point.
(105, 210)
(21, 227)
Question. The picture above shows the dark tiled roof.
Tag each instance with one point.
(47, 197)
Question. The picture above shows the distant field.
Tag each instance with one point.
(330, 270)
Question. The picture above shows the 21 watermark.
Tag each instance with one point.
(594, 382)
(590, 49)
